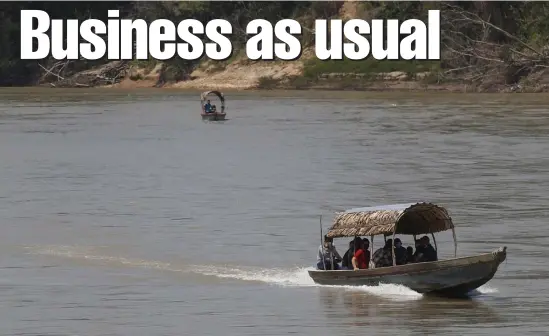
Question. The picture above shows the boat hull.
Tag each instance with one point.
(213, 116)
(452, 277)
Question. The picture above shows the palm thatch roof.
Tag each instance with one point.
(414, 218)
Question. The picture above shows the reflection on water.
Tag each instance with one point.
(427, 315)
(122, 212)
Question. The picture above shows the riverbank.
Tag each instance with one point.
(305, 73)
(310, 74)
(485, 47)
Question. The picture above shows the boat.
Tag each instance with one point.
(452, 277)
(214, 116)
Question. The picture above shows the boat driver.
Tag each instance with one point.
(328, 257)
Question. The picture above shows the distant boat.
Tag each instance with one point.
(450, 277)
(213, 116)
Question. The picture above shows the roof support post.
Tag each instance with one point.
(372, 249)
(455, 242)
(393, 247)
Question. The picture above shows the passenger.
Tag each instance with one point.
(400, 253)
(417, 245)
(419, 251)
(425, 251)
(347, 262)
(214, 109)
(409, 255)
(208, 107)
(361, 259)
(328, 256)
(430, 254)
(366, 244)
(383, 257)
(366, 249)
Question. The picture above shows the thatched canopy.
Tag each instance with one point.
(217, 93)
(414, 218)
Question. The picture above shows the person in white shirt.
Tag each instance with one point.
(328, 257)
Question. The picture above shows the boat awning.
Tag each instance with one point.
(217, 93)
(411, 218)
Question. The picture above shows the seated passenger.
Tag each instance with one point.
(328, 257)
(425, 251)
(366, 248)
(347, 262)
(400, 253)
(361, 258)
(214, 109)
(409, 255)
(207, 107)
(366, 244)
(383, 257)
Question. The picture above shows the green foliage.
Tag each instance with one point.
(315, 67)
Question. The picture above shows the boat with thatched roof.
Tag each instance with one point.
(216, 115)
(450, 277)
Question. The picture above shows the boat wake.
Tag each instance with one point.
(292, 277)
(298, 277)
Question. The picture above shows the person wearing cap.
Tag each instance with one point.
(328, 257)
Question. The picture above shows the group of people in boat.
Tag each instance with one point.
(358, 255)
(209, 108)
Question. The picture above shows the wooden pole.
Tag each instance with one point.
(322, 243)
(455, 243)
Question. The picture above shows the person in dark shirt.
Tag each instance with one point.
(425, 251)
(354, 245)
(348, 256)
(400, 252)
(409, 255)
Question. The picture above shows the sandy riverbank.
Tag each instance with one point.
(242, 74)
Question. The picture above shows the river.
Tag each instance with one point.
(123, 213)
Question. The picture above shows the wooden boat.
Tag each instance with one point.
(214, 116)
(451, 277)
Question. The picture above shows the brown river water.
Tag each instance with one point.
(123, 213)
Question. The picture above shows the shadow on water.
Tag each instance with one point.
(426, 314)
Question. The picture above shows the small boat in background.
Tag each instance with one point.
(451, 277)
(215, 114)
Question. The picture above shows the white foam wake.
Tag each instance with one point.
(485, 289)
(299, 277)
(294, 277)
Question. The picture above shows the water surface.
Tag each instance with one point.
(123, 212)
